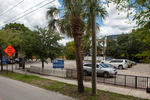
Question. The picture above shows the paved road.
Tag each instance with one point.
(15, 90)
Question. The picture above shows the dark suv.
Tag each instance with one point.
(10, 61)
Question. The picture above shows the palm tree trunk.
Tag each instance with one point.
(94, 52)
(77, 43)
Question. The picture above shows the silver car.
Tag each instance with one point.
(101, 69)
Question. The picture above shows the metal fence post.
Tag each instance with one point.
(71, 73)
(115, 80)
(104, 80)
(125, 81)
(136, 82)
(147, 82)
(66, 72)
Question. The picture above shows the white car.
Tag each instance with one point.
(101, 69)
(118, 63)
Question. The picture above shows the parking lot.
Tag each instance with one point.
(138, 70)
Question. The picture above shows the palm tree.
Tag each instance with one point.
(95, 10)
(74, 23)
(71, 25)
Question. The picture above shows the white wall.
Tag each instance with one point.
(90, 58)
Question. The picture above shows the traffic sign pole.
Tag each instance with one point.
(9, 51)
(12, 63)
(7, 64)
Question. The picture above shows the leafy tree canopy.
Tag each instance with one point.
(16, 26)
(70, 50)
(41, 43)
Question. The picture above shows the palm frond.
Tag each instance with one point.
(52, 12)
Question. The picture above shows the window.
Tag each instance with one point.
(120, 61)
(113, 37)
(97, 66)
(113, 61)
(88, 65)
(103, 66)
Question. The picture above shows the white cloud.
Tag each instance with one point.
(37, 17)
(116, 23)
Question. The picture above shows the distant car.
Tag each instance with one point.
(133, 62)
(17, 60)
(129, 63)
(118, 63)
(10, 61)
(101, 69)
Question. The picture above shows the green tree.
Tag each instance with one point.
(70, 50)
(85, 44)
(16, 26)
(7, 37)
(48, 45)
(41, 43)
(111, 49)
(19, 28)
(123, 42)
(29, 44)
(142, 36)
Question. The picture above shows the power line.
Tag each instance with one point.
(32, 11)
(12, 8)
(2, 2)
(25, 11)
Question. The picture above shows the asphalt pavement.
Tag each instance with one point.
(15, 90)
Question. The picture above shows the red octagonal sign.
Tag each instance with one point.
(9, 50)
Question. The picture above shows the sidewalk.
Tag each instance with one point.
(105, 87)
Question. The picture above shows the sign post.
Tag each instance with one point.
(9, 51)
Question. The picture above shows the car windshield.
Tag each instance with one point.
(104, 66)
(110, 65)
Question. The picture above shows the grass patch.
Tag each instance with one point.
(68, 89)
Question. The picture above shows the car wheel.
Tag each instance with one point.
(120, 67)
(106, 74)
(85, 73)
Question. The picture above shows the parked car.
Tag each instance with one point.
(129, 63)
(10, 61)
(118, 63)
(101, 69)
(17, 60)
(133, 62)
